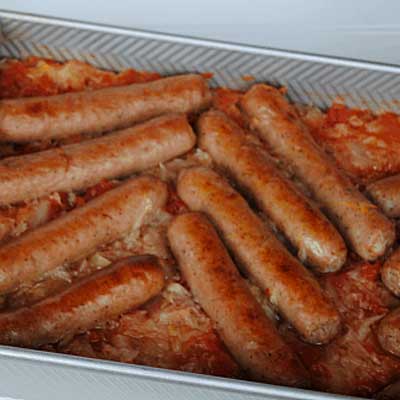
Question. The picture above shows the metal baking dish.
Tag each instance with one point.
(310, 79)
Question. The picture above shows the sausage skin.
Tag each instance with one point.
(288, 284)
(390, 272)
(368, 231)
(386, 194)
(97, 298)
(220, 290)
(79, 232)
(391, 392)
(96, 111)
(389, 332)
(316, 240)
(79, 165)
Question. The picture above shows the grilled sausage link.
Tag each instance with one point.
(79, 232)
(390, 272)
(102, 110)
(97, 298)
(77, 166)
(217, 285)
(316, 240)
(389, 332)
(386, 193)
(289, 285)
(391, 392)
(368, 231)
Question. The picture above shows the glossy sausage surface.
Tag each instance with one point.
(97, 298)
(289, 286)
(79, 232)
(218, 287)
(389, 332)
(102, 110)
(390, 272)
(386, 193)
(80, 165)
(366, 229)
(315, 238)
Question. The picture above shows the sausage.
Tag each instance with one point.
(220, 290)
(389, 332)
(100, 297)
(39, 118)
(289, 285)
(316, 240)
(79, 165)
(391, 392)
(79, 232)
(386, 194)
(390, 272)
(368, 231)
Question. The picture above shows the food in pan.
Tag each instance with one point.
(156, 221)
(316, 240)
(217, 285)
(102, 296)
(79, 232)
(77, 166)
(286, 283)
(366, 229)
(100, 110)
(388, 333)
(386, 193)
(390, 272)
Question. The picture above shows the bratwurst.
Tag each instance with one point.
(220, 290)
(102, 110)
(368, 231)
(389, 332)
(316, 240)
(390, 272)
(386, 193)
(97, 298)
(289, 286)
(79, 165)
(79, 232)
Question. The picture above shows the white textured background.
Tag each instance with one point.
(363, 29)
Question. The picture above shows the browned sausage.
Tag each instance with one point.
(79, 165)
(391, 392)
(79, 232)
(368, 231)
(317, 241)
(386, 193)
(101, 110)
(288, 284)
(100, 297)
(217, 285)
(389, 332)
(390, 272)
